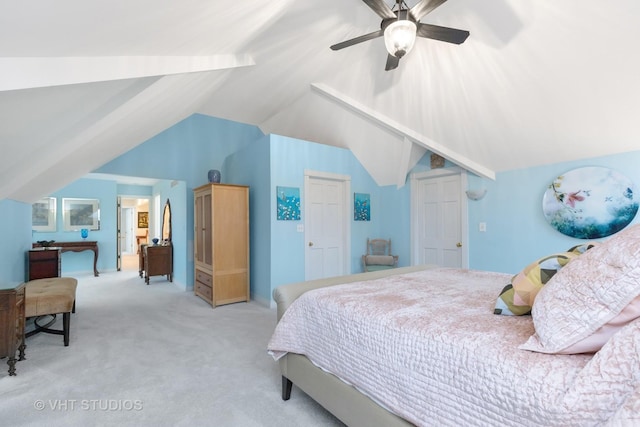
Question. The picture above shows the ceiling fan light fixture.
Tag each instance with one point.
(399, 37)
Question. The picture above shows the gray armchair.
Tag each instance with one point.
(378, 256)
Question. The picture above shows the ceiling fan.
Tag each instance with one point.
(400, 26)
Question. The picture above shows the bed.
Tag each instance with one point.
(422, 346)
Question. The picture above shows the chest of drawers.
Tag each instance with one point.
(12, 325)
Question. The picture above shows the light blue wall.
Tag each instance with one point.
(186, 152)
(176, 193)
(143, 191)
(289, 159)
(395, 217)
(277, 248)
(517, 232)
(15, 229)
(105, 193)
(251, 166)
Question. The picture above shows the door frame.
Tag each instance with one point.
(118, 233)
(153, 213)
(346, 212)
(464, 216)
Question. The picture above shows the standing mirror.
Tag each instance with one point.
(166, 223)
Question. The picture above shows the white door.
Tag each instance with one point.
(327, 225)
(127, 235)
(439, 212)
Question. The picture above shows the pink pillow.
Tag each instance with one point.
(590, 298)
(595, 341)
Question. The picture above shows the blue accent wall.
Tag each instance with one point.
(105, 193)
(15, 229)
(186, 152)
(139, 191)
(251, 166)
(517, 232)
(176, 192)
(181, 156)
(289, 159)
(395, 220)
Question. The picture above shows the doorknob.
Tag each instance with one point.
(310, 243)
(459, 244)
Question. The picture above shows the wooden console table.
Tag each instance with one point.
(78, 247)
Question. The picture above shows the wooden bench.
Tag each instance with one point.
(51, 296)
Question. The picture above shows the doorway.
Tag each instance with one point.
(133, 230)
(327, 225)
(439, 218)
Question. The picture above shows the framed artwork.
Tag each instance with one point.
(437, 161)
(81, 213)
(288, 203)
(43, 215)
(361, 207)
(143, 219)
(590, 202)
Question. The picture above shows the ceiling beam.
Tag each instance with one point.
(156, 108)
(33, 72)
(403, 131)
(404, 168)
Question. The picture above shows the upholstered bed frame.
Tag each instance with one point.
(342, 400)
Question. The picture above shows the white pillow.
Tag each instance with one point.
(587, 295)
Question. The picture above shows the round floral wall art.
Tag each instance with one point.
(590, 202)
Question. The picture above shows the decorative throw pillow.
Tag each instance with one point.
(582, 248)
(516, 299)
(588, 294)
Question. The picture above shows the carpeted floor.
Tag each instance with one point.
(154, 356)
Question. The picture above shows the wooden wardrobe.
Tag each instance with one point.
(221, 243)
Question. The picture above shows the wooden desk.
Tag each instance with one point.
(12, 325)
(84, 245)
(43, 263)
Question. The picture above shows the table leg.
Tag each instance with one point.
(95, 262)
(12, 365)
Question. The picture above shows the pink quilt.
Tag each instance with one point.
(428, 347)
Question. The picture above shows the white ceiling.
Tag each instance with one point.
(536, 82)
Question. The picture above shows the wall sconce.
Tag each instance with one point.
(476, 194)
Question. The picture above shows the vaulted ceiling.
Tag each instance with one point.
(536, 82)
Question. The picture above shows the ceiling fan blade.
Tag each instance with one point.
(444, 34)
(392, 62)
(424, 7)
(357, 40)
(381, 8)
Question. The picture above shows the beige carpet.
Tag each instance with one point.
(153, 356)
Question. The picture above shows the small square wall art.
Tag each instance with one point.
(361, 207)
(288, 202)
